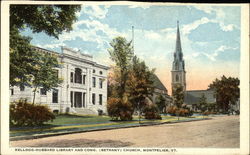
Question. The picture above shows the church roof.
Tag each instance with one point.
(157, 83)
(193, 96)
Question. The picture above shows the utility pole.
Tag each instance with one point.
(133, 44)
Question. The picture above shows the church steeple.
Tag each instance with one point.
(178, 68)
(178, 49)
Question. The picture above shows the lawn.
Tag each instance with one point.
(78, 119)
(77, 123)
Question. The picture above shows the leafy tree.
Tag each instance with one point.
(22, 59)
(178, 95)
(161, 103)
(50, 19)
(44, 73)
(226, 91)
(121, 53)
(140, 84)
(203, 103)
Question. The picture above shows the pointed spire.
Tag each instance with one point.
(178, 50)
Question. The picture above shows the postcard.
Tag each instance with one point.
(124, 77)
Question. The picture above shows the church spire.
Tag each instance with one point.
(178, 50)
(178, 69)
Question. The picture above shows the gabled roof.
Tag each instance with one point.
(157, 83)
(193, 96)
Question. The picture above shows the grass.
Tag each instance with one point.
(69, 123)
(78, 119)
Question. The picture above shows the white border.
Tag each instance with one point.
(244, 78)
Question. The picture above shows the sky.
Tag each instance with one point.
(210, 38)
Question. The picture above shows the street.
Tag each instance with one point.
(218, 132)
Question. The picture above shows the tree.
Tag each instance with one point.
(22, 59)
(140, 84)
(44, 73)
(203, 103)
(51, 19)
(226, 91)
(161, 103)
(178, 95)
(121, 53)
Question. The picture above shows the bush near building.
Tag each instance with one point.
(119, 109)
(183, 111)
(23, 113)
(151, 112)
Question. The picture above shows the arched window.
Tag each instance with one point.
(78, 75)
(177, 78)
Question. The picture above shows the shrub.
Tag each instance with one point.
(113, 107)
(172, 110)
(151, 112)
(26, 114)
(119, 109)
(184, 111)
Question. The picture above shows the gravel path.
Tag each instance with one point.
(220, 132)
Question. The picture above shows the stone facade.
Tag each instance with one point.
(84, 87)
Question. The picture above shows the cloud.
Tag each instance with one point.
(186, 29)
(219, 50)
(220, 17)
(94, 11)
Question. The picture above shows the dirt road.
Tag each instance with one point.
(220, 131)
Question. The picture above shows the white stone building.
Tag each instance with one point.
(84, 87)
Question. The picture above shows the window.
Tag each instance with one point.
(55, 96)
(93, 98)
(100, 83)
(22, 88)
(71, 98)
(71, 77)
(12, 91)
(83, 79)
(100, 72)
(100, 99)
(93, 71)
(78, 75)
(93, 82)
(177, 78)
(43, 91)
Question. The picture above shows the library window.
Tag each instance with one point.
(93, 98)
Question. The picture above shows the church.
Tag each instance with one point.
(178, 73)
(84, 87)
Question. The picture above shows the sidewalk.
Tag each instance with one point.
(21, 134)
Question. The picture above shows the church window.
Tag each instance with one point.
(176, 78)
